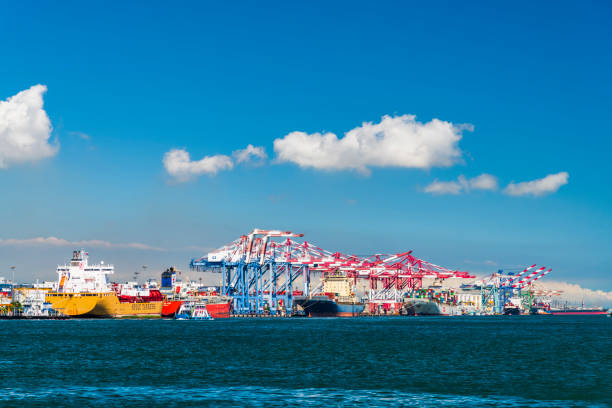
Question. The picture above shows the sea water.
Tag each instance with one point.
(504, 361)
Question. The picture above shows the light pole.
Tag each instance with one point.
(13, 283)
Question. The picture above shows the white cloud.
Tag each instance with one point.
(575, 294)
(482, 182)
(538, 187)
(60, 242)
(25, 128)
(444, 187)
(396, 141)
(81, 135)
(179, 165)
(250, 152)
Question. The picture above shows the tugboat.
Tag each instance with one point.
(337, 299)
(193, 311)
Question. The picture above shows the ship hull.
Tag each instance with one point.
(105, 304)
(82, 304)
(139, 309)
(218, 310)
(421, 308)
(322, 306)
(170, 307)
(577, 312)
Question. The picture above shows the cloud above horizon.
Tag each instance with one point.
(538, 187)
(179, 165)
(249, 153)
(60, 242)
(484, 181)
(395, 141)
(25, 128)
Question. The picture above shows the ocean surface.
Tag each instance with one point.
(505, 361)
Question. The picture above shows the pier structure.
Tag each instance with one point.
(263, 271)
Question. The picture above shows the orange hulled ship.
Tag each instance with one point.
(82, 290)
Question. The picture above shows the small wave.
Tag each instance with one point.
(136, 396)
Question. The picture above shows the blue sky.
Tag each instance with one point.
(141, 79)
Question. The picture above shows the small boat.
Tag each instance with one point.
(193, 311)
(200, 312)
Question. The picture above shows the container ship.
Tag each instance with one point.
(432, 301)
(337, 299)
(420, 307)
(176, 293)
(83, 290)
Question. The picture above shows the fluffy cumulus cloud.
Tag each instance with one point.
(25, 128)
(463, 184)
(60, 242)
(250, 153)
(444, 187)
(180, 166)
(483, 182)
(538, 187)
(395, 141)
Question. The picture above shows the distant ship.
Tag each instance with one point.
(337, 299)
(544, 309)
(593, 311)
(83, 291)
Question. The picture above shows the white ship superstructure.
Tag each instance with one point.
(78, 276)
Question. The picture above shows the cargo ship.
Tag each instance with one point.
(426, 307)
(83, 291)
(136, 300)
(177, 293)
(217, 306)
(545, 309)
(337, 299)
(420, 307)
(570, 312)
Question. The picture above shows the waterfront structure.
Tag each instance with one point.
(261, 270)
